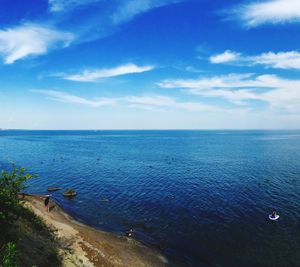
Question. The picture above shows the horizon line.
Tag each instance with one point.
(159, 129)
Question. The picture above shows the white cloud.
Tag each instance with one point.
(30, 39)
(279, 93)
(269, 11)
(68, 98)
(67, 5)
(279, 60)
(94, 75)
(226, 56)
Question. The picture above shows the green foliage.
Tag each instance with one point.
(33, 243)
(11, 183)
(10, 258)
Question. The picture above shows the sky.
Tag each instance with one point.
(149, 64)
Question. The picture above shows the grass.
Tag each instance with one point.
(35, 243)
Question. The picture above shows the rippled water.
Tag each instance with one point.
(202, 197)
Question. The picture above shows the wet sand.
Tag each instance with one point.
(82, 245)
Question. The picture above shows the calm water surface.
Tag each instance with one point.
(202, 197)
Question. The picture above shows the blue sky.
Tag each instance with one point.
(150, 64)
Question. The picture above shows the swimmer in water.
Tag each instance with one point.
(129, 233)
(274, 214)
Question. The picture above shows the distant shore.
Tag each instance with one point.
(86, 246)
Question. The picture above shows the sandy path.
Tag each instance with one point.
(85, 246)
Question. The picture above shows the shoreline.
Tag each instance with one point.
(82, 245)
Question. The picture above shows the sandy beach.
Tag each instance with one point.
(81, 245)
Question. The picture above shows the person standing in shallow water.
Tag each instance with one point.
(46, 202)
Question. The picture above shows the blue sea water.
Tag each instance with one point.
(201, 197)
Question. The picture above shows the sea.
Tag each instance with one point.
(202, 198)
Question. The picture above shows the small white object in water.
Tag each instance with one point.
(275, 218)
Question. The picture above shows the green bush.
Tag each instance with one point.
(11, 183)
(10, 258)
(25, 240)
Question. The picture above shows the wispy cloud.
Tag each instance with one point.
(105, 16)
(124, 11)
(277, 92)
(279, 60)
(161, 101)
(150, 102)
(30, 39)
(64, 97)
(268, 11)
(232, 87)
(193, 69)
(96, 74)
(67, 5)
(38, 38)
(222, 81)
(131, 8)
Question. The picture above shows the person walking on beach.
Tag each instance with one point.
(46, 202)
